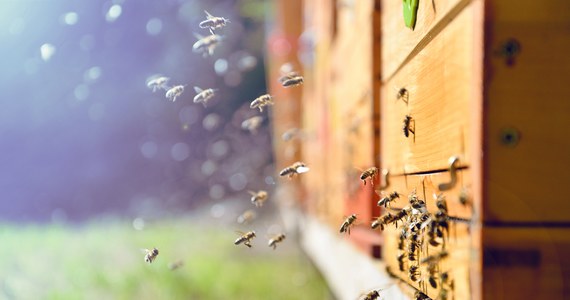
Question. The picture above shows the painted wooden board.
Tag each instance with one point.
(402, 43)
(529, 94)
(439, 84)
(526, 263)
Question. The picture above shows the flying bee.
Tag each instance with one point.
(347, 224)
(206, 44)
(369, 174)
(414, 273)
(291, 134)
(291, 79)
(246, 217)
(245, 238)
(402, 262)
(400, 215)
(403, 94)
(212, 22)
(261, 101)
(408, 127)
(174, 92)
(176, 265)
(294, 169)
(258, 198)
(382, 221)
(276, 239)
(385, 201)
(150, 255)
(252, 124)
(158, 83)
(372, 295)
(203, 96)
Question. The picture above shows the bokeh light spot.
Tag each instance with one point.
(180, 151)
(218, 210)
(81, 92)
(221, 66)
(114, 13)
(138, 224)
(238, 181)
(149, 149)
(47, 51)
(217, 191)
(92, 74)
(70, 18)
(154, 26)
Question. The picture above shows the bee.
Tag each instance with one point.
(433, 233)
(414, 273)
(291, 134)
(416, 202)
(291, 79)
(261, 101)
(432, 278)
(348, 222)
(245, 239)
(150, 255)
(385, 201)
(435, 258)
(372, 295)
(174, 92)
(252, 124)
(440, 203)
(407, 128)
(206, 44)
(203, 96)
(401, 262)
(382, 221)
(296, 168)
(464, 196)
(258, 198)
(246, 217)
(402, 239)
(421, 296)
(276, 239)
(158, 83)
(175, 265)
(414, 244)
(369, 173)
(212, 22)
(403, 94)
(400, 215)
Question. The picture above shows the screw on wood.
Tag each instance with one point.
(510, 136)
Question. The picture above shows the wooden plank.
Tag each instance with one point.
(456, 264)
(524, 181)
(439, 83)
(399, 41)
(526, 263)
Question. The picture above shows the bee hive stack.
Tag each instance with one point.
(468, 105)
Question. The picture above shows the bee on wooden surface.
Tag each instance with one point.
(433, 233)
(262, 101)
(252, 124)
(464, 196)
(402, 239)
(175, 265)
(401, 262)
(294, 169)
(246, 217)
(276, 239)
(258, 198)
(446, 285)
(158, 83)
(414, 273)
(415, 242)
(150, 255)
(369, 174)
(408, 127)
(421, 296)
(416, 202)
(440, 203)
(432, 275)
(382, 221)
(174, 92)
(385, 201)
(347, 224)
(203, 96)
(404, 212)
(435, 258)
(206, 44)
(245, 238)
(403, 94)
(212, 22)
(291, 79)
(421, 221)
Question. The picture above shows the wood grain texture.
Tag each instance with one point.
(526, 263)
(401, 41)
(525, 182)
(439, 81)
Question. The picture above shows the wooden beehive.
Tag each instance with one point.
(482, 82)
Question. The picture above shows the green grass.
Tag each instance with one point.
(103, 260)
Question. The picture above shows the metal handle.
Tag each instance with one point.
(453, 164)
(384, 180)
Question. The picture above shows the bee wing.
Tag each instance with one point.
(239, 232)
(198, 90)
(208, 15)
(250, 191)
(198, 36)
